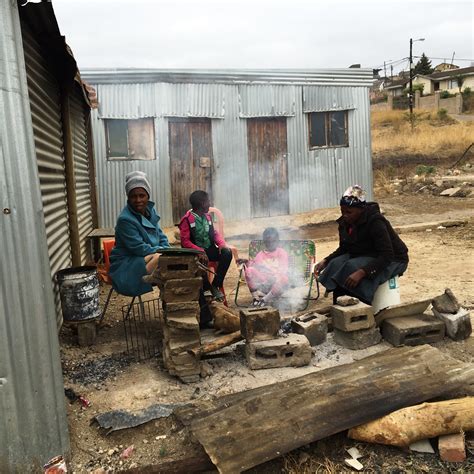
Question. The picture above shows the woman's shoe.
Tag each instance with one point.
(216, 293)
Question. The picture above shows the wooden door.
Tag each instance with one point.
(268, 167)
(190, 145)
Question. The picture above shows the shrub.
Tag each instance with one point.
(442, 115)
(446, 95)
(424, 169)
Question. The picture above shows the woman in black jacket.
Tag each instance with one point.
(370, 252)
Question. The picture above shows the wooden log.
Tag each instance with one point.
(245, 429)
(428, 420)
(217, 344)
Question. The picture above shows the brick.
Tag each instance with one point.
(259, 324)
(313, 325)
(352, 318)
(181, 310)
(458, 326)
(347, 300)
(291, 351)
(186, 322)
(356, 340)
(446, 303)
(452, 447)
(172, 267)
(413, 330)
(174, 334)
(180, 290)
(86, 333)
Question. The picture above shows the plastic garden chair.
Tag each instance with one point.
(301, 260)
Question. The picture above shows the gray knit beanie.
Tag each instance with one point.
(137, 179)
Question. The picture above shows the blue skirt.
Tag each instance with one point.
(339, 268)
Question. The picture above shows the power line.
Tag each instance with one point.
(457, 59)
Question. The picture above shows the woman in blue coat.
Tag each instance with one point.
(138, 237)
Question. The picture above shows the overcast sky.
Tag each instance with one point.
(263, 33)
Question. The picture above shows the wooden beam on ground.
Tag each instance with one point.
(245, 429)
(428, 420)
(217, 344)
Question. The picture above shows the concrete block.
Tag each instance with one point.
(313, 325)
(458, 326)
(86, 333)
(352, 318)
(347, 300)
(291, 351)
(181, 310)
(356, 340)
(180, 290)
(452, 447)
(403, 309)
(413, 330)
(259, 324)
(452, 192)
(446, 303)
(171, 267)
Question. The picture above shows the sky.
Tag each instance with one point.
(260, 34)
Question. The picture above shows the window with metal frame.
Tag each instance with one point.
(130, 139)
(328, 129)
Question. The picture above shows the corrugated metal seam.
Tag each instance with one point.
(267, 100)
(44, 97)
(33, 426)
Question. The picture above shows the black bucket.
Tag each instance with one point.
(79, 290)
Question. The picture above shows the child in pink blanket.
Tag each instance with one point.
(267, 273)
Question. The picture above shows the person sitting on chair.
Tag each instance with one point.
(197, 232)
(267, 273)
(370, 252)
(138, 237)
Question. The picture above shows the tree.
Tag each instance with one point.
(423, 66)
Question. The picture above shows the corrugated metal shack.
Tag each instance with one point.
(263, 143)
(48, 207)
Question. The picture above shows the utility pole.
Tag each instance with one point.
(384, 71)
(391, 72)
(410, 93)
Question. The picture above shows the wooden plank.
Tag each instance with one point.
(243, 430)
(102, 232)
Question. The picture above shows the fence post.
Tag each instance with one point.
(417, 99)
(459, 103)
(390, 102)
(436, 100)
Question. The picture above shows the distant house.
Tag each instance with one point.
(396, 87)
(441, 67)
(446, 80)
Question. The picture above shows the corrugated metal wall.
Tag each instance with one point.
(316, 177)
(33, 426)
(79, 115)
(44, 94)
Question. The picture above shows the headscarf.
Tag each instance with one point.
(354, 196)
(137, 179)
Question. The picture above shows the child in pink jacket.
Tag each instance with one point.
(267, 273)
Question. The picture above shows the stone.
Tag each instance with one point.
(399, 310)
(291, 351)
(458, 326)
(451, 192)
(313, 325)
(352, 318)
(356, 340)
(172, 267)
(181, 310)
(181, 290)
(413, 330)
(446, 303)
(189, 378)
(186, 322)
(259, 324)
(452, 447)
(86, 333)
(346, 300)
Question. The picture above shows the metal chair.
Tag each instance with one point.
(301, 260)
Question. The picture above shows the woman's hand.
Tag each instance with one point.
(320, 266)
(354, 278)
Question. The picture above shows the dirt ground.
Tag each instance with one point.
(440, 257)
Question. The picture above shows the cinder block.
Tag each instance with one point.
(180, 290)
(356, 340)
(313, 325)
(86, 333)
(458, 326)
(181, 310)
(259, 324)
(172, 267)
(452, 447)
(413, 330)
(352, 318)
(291, 351)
